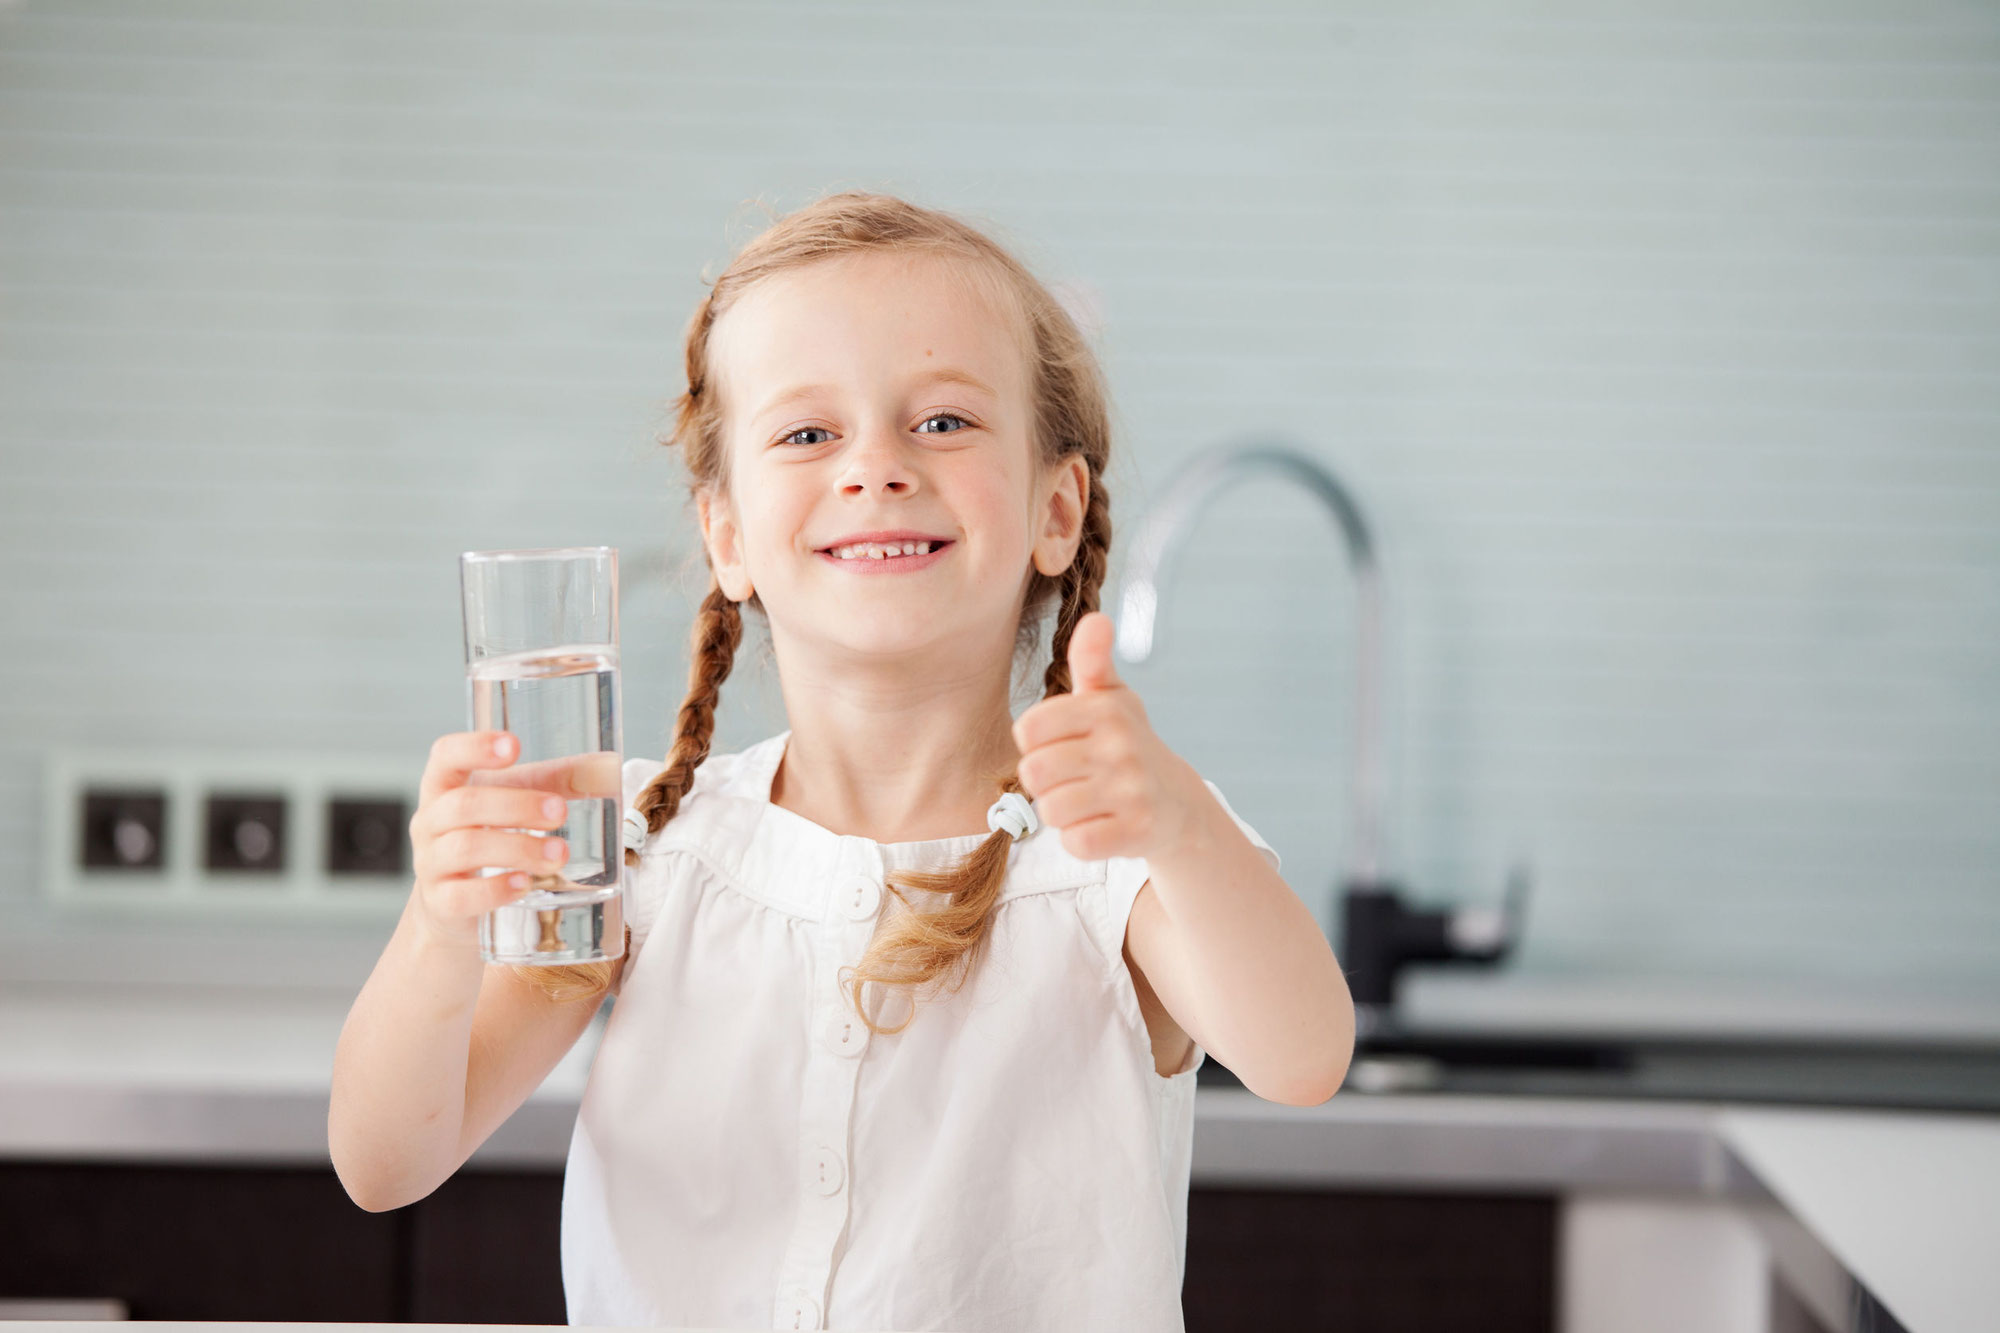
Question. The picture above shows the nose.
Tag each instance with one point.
(879, 461)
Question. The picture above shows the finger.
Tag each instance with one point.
(494, 807)
(1092, 839)
(469, 851)
(1074, 802)
(1053, 720)
(474, 895)
(574, 777)
(1055, 764)
(462, 851)
(455, 757)
(1090, 665)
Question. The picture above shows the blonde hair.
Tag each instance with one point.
(1071, 417)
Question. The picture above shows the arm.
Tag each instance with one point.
(1238, 960)
(438, 1050)
(1231, 952)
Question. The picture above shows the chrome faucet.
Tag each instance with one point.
(1381, 934)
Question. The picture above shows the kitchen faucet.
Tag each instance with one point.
(1380, 933)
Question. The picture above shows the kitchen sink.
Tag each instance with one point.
(1913, 1075)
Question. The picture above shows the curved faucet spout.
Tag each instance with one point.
(1165, 528)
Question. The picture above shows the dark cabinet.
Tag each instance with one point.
(288, 1245)
(283, 1245)
(1389, 1263)
(485, 1249)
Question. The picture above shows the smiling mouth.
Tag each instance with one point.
(882, 552)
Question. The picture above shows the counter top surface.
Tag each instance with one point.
(1904, 1202)
(1903, 1199)
(260, 1326)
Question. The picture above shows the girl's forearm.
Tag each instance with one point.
(399, 1070)
(1269, 996)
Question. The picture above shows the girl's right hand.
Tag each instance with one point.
(465, 824)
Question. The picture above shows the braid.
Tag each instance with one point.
(1080, 583)
(718, 628)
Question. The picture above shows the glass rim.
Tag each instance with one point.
(538, 553)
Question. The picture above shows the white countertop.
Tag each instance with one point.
(1907, 1203)
(1904, 1201)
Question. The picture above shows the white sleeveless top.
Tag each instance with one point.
(748, 1154)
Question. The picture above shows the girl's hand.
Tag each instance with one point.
(1093, 765)
(468, 820)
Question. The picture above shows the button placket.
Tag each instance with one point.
(825, 1118)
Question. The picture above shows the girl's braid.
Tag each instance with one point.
(1080, 584)
(718, 629)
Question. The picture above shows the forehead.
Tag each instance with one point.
(857, 318)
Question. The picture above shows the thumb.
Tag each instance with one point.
(1090, 654)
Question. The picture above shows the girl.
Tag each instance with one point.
(896, 440)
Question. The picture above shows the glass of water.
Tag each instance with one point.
(541, 661)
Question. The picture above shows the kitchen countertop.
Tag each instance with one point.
(261, 1326)
(218, 1074)
(1902, 1199)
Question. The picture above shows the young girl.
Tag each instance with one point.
(866, 1068)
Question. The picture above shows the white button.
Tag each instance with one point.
(827, 1172)
(847, 1034)
(860, 898)
(798, 1310)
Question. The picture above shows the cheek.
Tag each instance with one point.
(780, 518)
(995, 505)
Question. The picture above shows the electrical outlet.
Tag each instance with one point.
(367, 836)
(124, 830)
(238, 834)
(245, 833)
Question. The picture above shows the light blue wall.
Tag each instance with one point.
(1660, 348)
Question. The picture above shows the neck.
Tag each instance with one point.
(899, 755)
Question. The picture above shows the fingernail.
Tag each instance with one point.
(501, 745)
(517, 881)
(553, 808)
(553, 850)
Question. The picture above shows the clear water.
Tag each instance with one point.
(559, 702)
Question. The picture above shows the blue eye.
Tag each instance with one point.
(935, 416)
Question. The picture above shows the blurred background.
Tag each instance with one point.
(1659, 349)
(1657, 342)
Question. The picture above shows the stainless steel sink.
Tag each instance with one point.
(1929, 1075)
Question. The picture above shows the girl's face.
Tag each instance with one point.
(879, 392)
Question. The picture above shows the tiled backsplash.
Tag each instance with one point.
(1659, 348)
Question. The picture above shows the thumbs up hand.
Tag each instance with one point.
(1093, 765)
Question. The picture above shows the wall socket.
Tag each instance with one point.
(123, 830)
(269, 833)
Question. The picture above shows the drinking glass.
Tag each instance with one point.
(541, 661)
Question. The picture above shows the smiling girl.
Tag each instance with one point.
(914, 991)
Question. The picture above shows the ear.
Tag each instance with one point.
(722, 536)
(1067, 487)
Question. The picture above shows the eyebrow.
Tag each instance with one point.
(942, 375)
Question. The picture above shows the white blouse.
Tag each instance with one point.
(749, 1154)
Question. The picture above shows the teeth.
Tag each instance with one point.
(881, 550)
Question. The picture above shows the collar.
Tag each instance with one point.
(782, 858)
